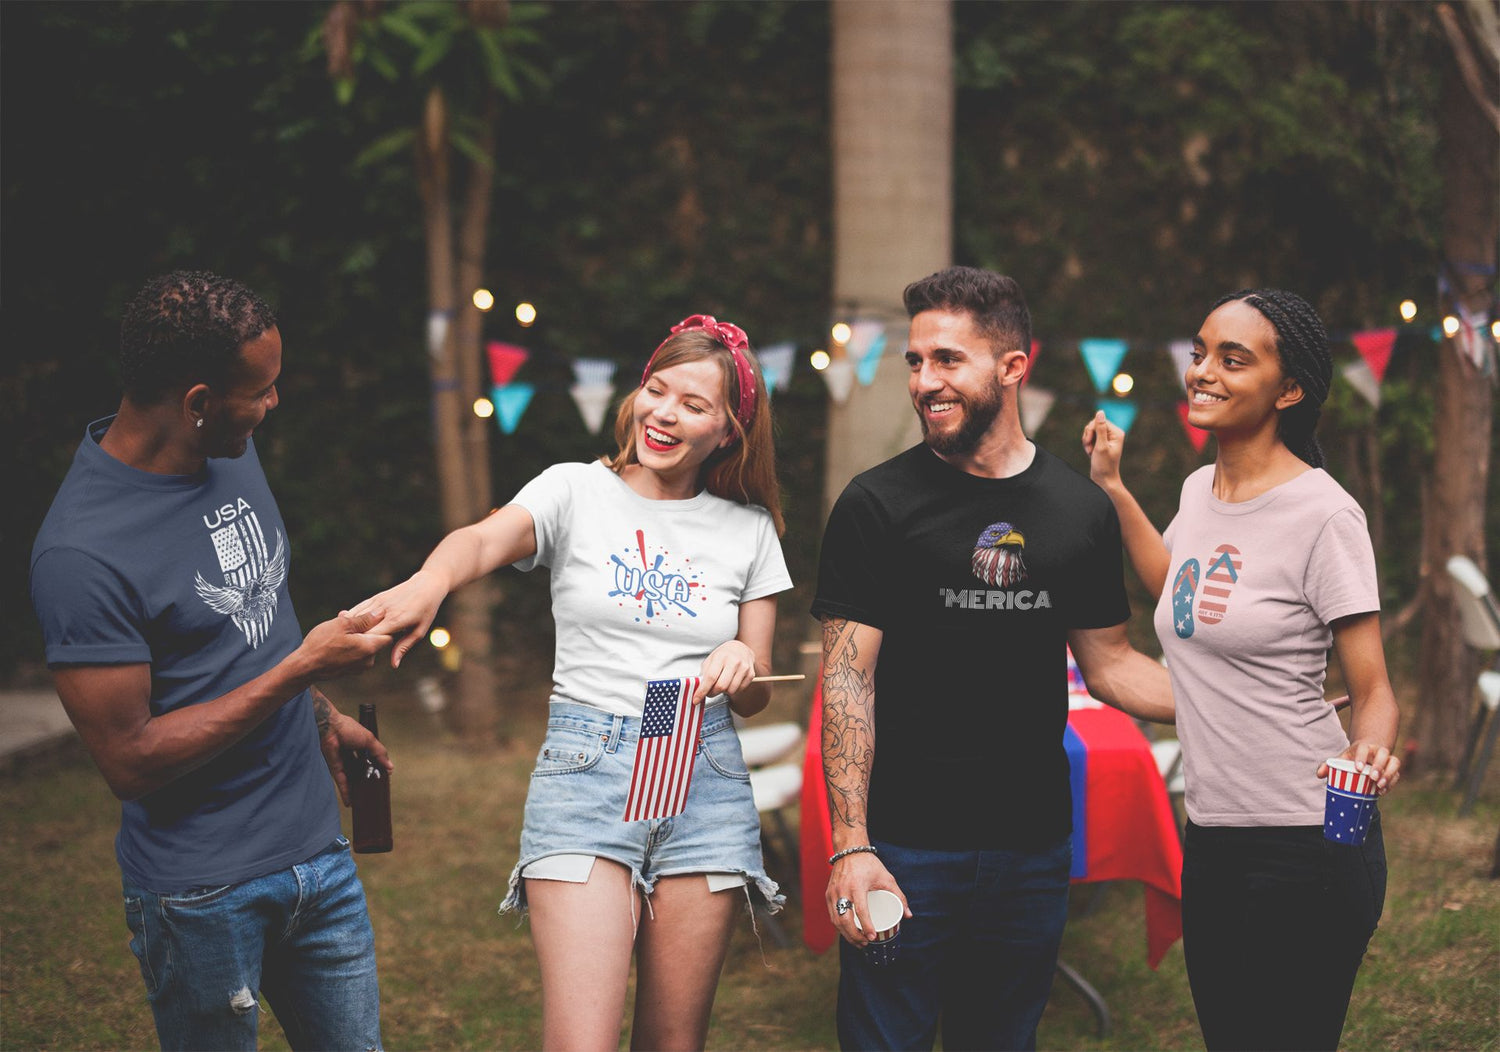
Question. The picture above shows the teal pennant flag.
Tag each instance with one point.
(511, 401)
(1103, 358)
(1119, 411)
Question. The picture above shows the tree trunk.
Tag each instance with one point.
(460, 444)
(892, 72)
(1464, 406)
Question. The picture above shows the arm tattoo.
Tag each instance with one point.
(848, 725)
(323, 711)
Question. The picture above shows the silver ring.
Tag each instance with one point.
(843, 906)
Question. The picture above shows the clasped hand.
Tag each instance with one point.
(404, 611)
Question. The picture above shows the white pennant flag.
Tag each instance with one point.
(1182, 357)
(839, 376)
(1362, 378)
(1036, 403)
(776, 364)
(592, 401)
(591, 372)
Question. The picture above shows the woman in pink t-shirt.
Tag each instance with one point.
(1271, 564)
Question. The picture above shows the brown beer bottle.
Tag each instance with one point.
(369, 792)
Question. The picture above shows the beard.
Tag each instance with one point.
(979, 413)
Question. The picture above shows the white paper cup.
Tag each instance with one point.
(885, 911)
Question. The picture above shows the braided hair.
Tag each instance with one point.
(1302, 346)
(187, 327)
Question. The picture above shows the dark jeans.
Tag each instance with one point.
(1275, 921)
(979, 951)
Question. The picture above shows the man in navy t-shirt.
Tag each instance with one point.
(160, 579)
(952, 579)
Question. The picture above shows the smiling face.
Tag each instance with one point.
(231, 415)
(954, 381)
(1235, 382)
(680, 419)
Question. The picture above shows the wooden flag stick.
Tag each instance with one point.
(778, 679)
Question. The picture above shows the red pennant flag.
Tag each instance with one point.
(1036, 348)
(1196, 435)
(1375, 347)
(505, 359)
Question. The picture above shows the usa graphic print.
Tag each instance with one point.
(643, 576)
(252, 576)
(664, 755)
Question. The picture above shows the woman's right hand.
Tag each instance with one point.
(405, 610)
(1104, 443)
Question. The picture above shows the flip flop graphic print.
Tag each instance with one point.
(1184, 587)
(1223, 572)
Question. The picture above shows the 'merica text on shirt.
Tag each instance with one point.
(980, 599)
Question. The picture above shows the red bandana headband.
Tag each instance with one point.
(731, 336)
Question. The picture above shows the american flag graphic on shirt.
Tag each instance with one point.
(664, 755)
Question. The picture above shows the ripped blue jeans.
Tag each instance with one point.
(576, 805)
(300, 936)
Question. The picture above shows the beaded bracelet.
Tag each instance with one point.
(856, 849)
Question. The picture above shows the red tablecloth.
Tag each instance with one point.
(1130, 832)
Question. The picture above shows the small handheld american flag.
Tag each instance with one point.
(664, 755)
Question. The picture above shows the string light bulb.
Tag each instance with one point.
(484, 299)
(819, 359)
(1408, 310)
(439, 637)
(525, 314)
(484, 408)
(1495, 330)
(841, 333)
(1450, 326)
(1123, 383)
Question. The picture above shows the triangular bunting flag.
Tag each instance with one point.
(592, 401)
(776, 363)
(505, 359)
(1362, 378)
(866, 346)
(1374, 347)
(437, 330)
(1182, 357)
(1196, 435)
(1036, 403)
(839, 376)
(1119, 411)
(870, 363)
(511, 401)
(1103, 359)
(593, 372)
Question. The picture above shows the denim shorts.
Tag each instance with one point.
(576, 805)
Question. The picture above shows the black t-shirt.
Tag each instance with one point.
(975, 583)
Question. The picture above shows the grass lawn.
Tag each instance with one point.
(456, 975)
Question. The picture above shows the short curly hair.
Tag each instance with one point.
(186, 327)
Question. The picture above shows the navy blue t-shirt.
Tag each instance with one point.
(974, 583)
(188, 573)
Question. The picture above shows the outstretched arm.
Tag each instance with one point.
(1105, 444)
(407, 609)
(138, 752)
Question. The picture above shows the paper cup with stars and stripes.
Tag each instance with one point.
(1349, 803)
(886, 912)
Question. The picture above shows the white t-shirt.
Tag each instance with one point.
(1244, 620)
(642, 589)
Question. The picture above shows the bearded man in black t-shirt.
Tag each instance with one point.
(952, 579)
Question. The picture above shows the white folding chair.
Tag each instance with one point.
(1479, 618)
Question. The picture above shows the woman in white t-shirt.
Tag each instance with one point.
(1270, 564)
(665, 565)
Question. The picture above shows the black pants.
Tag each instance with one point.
(1275, 921)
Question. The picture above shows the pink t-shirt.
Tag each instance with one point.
(1243, 621)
